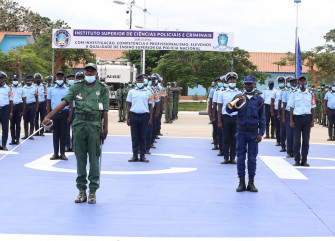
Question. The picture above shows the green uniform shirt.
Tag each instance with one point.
(89, 101)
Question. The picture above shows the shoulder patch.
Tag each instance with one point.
(79, 81)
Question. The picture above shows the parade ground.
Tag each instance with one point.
(183, 193)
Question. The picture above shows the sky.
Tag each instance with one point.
(258, 25)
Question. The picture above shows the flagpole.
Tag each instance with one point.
(296, 36)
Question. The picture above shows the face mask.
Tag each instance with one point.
(225, 85)
(15, 82)
(71, 82)
(38, 82)
(319, 89)
(168, 86)
(156, 81)
(288, 85)
(130, 85)
(145, 81)
(326, 90)
(121, 87)
(333, 88)
(29, 83)
(302, 86)
(89, 79)
(281, 85)
(232, 85)
(149, 82)
(159, 84)
(59, 82)
(294, 88)
(250, 92)
(140, 85)
(220, 85)
(271, 86)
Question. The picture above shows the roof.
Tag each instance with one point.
(106, 54)
(264, 62)
(3, 34)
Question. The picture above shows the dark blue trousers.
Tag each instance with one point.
(4, 114)
(302, 130)
(246, 144)
(138, 129)
(15, 122)
(40, 115)
(289, 133)
(277, 124)
(68, 138)
(220, 134)
(29, 113)
(282, 132)
(59, 131)
(215, 131)
(229, 140)
(154, 126)
(269, 118)
(149, 139)
(331, 122)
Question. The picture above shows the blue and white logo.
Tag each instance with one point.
(223, 42)
(62, 38)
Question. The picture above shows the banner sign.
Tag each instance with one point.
(138, 40)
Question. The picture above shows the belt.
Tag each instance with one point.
(139, 114)
(87, 117)
(246, 128)
(32, 103)
(62, 111)
(231, 116)
(18, 104)
(304, 115)
(2, 107)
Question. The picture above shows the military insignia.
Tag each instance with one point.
(79, 96)
(62, 38)
(98, 92)
(223, 42)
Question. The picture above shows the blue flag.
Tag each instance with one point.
(298, 65)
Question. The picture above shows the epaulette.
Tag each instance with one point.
(79, 81)
(294, 91)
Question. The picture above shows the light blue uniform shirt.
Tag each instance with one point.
(31, 93)
(216, 95)
(153, 94)
(211, 94)
(227, 96)
(140, 100)
(301, 102)
(275, 95)
(18, 93)
(282, 93)
(267, 94)
(41, 92)
(56, 94)
(5, 95)
(286, 97)
(330, 97)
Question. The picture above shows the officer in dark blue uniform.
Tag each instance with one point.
(211, 115)
(302, 104)
(250, 129)
(42, 96)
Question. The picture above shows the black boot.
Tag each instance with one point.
(241, 186)
(31, 131)
(25, 130)
(251, 187)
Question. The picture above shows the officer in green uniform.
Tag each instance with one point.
(168, 103)
(121, 97)
(91, 100)
(177, 99)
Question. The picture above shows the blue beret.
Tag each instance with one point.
(249, 79)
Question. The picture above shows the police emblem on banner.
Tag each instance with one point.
(223, 42)
(62, 38)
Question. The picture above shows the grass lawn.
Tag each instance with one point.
(192, 106)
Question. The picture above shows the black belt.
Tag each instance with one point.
(87, 117)
(62, 111)
(139, 114)
(229, 115)
(31, 104)
(247, 128)
(2, 107)
(305, 115)
(18, 104)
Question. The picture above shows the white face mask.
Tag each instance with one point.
(89, 79)
(15, 82)
(59, 82)
(333, 88)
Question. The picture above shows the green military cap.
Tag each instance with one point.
(94, 66)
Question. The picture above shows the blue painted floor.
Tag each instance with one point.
(199, 201)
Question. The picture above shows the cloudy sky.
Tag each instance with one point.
(258, 25)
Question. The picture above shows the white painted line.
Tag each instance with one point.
(282, 168)
(29, 237)
(9, 152)
(45, 164)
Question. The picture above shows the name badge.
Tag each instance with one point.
(101, 107)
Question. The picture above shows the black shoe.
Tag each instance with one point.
(304, 164)
(12, 143)
(92, 199)
(32, 138)
(212, 143)
(220, 154)
(4, 148)
(329, 139)
(67, 149)
(157, 137)
(152, 146)
(120, 121)
(289, 155)
(25, 137)
(133, 159)
(233, 161)
(241, 186)
(71, 150)
(37, 134)
(267, 137)
(155, 141)
(215, 148)
(0, 147)
(296, 164)
(273, 137)
(277, 144)
(81, 197)
(17, 142)
(160, 134)
(54, 157)
(63, 157)
(42, 135)
(225, 161)
(148, 152)
(143, 159)
(251, 186)
(283, 150)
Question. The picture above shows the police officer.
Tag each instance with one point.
(79, 76)
(69, 139)
(19, 106)
(121, 102)
(219, 132)
(42, 96)
(155, 108)
(162, 103)
(266, 95)
(91, 98)
(168, 102)
(31, 107)
(329, 106)
(212, 116)
(227, 121)
(250, 129)
(6, 108)
(139, 116)
(49, 80)
(275, 107)
(302, 104)
(54, 97)
(286, 115)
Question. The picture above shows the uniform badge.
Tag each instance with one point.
(79, 96)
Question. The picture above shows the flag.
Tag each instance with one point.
(298, 65)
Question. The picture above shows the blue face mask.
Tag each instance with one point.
(281, 85)
(71, 82)
(225, 85)
(59, 82)
(232, 85)
(302, 86)
(220, 84)
(333, 88)
(140, 85)
(288, 85)
(149, 82)
(294, 88)
(145, 81)
(15, 82)
(89, 79)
